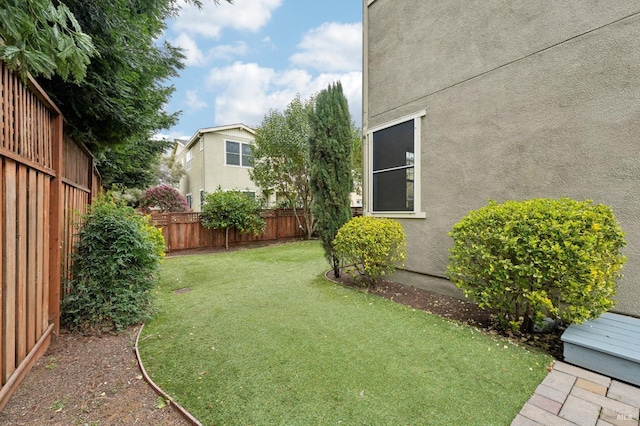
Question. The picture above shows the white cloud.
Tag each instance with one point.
(331, 47)
(228, 51)
(171, 136)
(212, 19)
(193, 55)
(245, 92)
(193, 101)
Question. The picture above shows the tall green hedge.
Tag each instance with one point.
(536, 258)
(114, 266)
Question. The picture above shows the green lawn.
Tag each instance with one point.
(263, 339)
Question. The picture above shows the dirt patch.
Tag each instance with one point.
(88, 380)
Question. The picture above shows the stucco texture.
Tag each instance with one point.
(523, 100)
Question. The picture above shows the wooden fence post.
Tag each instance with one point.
(56, 216)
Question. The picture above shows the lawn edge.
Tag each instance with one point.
(186, 414)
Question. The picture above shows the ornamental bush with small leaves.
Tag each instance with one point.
(536, 258)
(114, 265)
(164, 198)
(374, 247)
(232, 209)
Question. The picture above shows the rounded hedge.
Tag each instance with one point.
(372, 246)
(536, 258)
(114, 265)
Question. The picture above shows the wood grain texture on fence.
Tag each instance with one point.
(44, 176)
(183, 231)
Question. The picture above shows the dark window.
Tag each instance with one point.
(238, 154)
(394, 168)
(233, 153)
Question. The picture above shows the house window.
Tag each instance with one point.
(201, 198)
(238, 154)
(189, 158)
(250, 194)
(395, 174)
(189, 200)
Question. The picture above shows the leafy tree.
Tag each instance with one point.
(281, 158)
(330, 144)
(117, 99)
(121, 99)
(42, 37)
(131, 165)
(169, 171)
(232, 209)
(165, 198)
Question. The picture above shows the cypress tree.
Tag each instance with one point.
(330, 146)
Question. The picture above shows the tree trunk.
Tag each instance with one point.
(336, 266)
(226, 238)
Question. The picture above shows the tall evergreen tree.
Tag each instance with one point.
(330, 147)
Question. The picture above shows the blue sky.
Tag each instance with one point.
(246, 58)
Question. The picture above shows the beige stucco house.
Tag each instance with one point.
(470, 101)
(217, 157)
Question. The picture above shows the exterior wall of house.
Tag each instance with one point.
(523, 99)
(208, 168)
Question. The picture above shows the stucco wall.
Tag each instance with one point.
(216, 172)
(523, 99)
(208, 169)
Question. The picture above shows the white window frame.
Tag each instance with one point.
(189, 199)
(417, 178)
(240, 145)
(189, 158)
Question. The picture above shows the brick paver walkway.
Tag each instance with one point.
(572, 396)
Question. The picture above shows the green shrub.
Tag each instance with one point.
(114, 266)
(373, 246)
(232, 209)
(537, 258)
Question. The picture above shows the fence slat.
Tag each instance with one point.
(21, 308)
(9, 270)
(32, 274)
(41, 318)
(2, 227)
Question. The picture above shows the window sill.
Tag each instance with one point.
(398, 215)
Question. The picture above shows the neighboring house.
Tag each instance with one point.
(217, 157)
(470, 101)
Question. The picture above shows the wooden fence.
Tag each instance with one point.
(184, 231)
(44, 176)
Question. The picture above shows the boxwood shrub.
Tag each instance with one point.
(536, 258)
(373, 247)
(114, 266)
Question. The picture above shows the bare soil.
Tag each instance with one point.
(88, 380)
(95, 380)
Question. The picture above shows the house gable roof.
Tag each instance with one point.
(218, 129)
